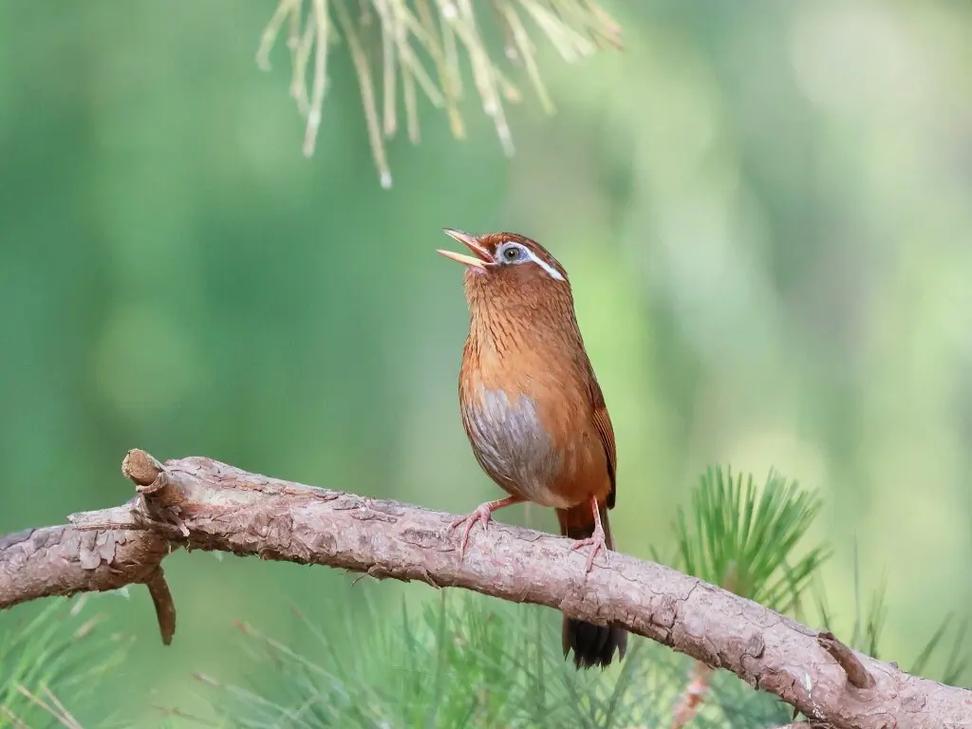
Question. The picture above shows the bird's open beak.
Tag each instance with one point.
(481, 260)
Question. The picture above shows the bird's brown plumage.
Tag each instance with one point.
(531, 405)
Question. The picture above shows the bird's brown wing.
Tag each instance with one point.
(602, 421)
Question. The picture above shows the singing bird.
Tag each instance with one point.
(532, 408)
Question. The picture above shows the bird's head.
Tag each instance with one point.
(506, 266)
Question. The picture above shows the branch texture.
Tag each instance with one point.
(199, 503)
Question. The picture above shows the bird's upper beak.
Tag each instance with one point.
(482, 257)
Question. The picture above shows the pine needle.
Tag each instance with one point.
(744, 538)
(462, 661)
(51, 662)
(414, 36)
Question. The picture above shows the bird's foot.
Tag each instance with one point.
(483, 513)
(597, 542)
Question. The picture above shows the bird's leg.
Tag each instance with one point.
(597, 541)
(483, 513)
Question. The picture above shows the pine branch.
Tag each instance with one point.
(199, 503)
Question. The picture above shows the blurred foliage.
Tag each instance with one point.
(943, 657)
(955, 665)
(764, 208)
(52, 662)
(468, 661)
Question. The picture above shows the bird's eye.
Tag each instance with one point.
(511, 253)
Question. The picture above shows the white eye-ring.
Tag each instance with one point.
(516, 253)
(511, 253)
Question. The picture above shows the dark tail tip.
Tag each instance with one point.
(593, 645)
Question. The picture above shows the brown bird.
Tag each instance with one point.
(532, 408)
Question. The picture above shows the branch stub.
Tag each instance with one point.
(857, 675)
(144, 470)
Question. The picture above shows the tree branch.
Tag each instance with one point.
(199, 503)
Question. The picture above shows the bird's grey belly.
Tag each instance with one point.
(512, 445)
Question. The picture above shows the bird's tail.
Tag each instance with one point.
(593, 645)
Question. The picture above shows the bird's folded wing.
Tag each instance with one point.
(602, 421)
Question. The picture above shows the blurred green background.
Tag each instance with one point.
(765, 209)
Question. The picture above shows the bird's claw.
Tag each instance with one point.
(596, 542)
(482, 514)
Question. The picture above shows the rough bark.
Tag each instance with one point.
(199, 503)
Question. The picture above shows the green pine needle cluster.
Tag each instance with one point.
(51, 661)
(745, 538)
(466, 661)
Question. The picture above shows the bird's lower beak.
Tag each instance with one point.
(482, 258)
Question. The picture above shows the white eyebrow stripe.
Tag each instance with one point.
(551, 271)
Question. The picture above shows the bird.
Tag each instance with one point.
(532, 408)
